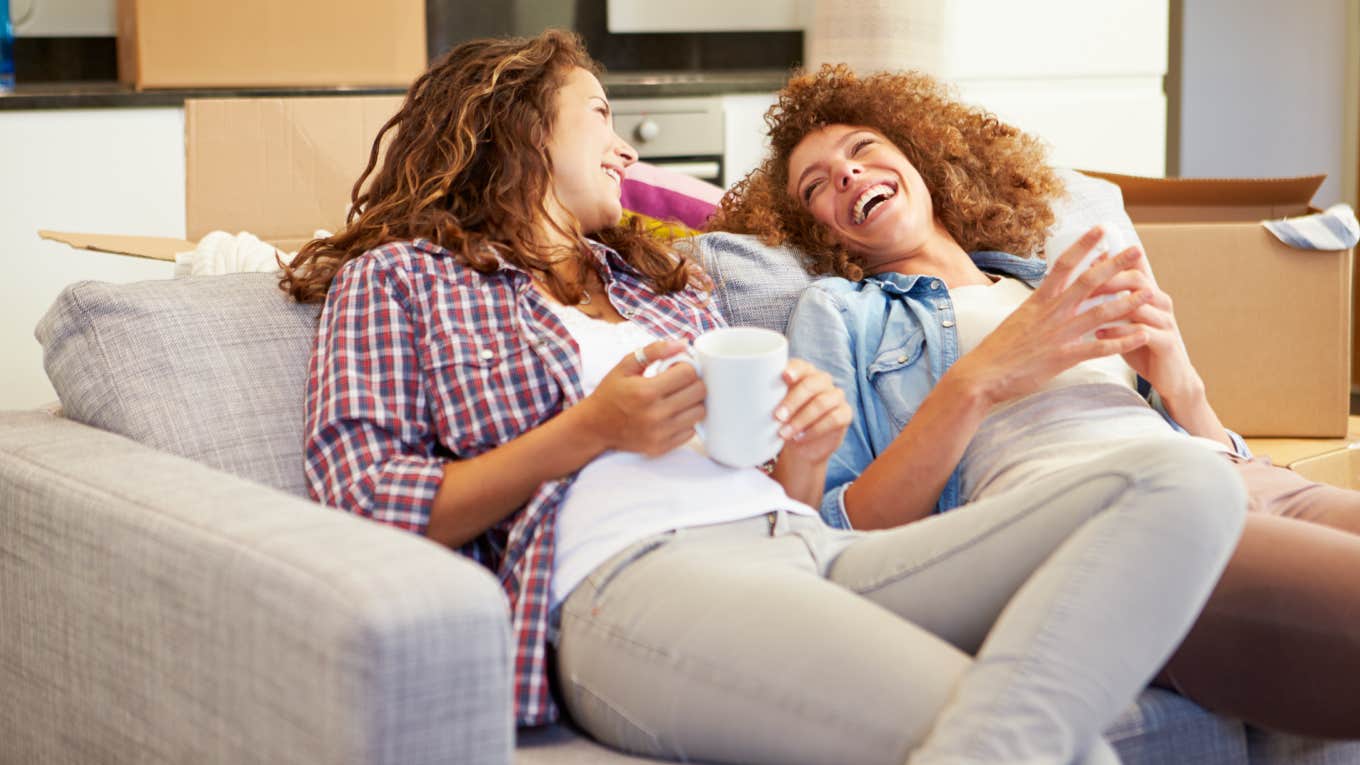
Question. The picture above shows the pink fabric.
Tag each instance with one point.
(667, 195)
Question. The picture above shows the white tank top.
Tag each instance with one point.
(622, 497)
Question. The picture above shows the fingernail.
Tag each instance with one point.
(781, 414)
(800, 435)
(786, 431)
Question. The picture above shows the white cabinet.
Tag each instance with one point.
(744, 140)
(93, 170)
(1087, 77)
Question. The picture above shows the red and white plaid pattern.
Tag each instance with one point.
(420, 360)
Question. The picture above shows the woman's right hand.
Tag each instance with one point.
(1046, 335)
(649, 415)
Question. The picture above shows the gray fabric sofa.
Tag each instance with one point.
(168, 593)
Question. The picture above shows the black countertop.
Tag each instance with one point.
(98, 95)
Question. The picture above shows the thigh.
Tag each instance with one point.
(743, 653)
(1280, 491)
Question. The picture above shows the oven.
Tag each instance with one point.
(680, 134)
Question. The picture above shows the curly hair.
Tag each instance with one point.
(990, 184)
(467, 168)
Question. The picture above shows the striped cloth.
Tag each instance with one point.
(1332, 229)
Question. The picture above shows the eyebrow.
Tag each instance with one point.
(843, 140)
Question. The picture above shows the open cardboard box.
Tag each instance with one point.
(1268, 326)
(279, 168)
(1329, 460)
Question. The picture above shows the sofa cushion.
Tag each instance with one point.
(211, 368)
(759, 285)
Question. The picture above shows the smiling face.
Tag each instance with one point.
(860, 185)
(588, 158)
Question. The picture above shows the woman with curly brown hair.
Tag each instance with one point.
(481, 377)
(973, 376)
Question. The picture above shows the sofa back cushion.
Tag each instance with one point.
(211, 368)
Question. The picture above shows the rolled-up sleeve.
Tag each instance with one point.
(818, 334)
(369, 447)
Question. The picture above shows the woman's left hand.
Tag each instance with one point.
(814, 415)
(1163, 361)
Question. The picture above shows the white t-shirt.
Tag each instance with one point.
(623, 497)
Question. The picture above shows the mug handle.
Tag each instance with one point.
(657, 367)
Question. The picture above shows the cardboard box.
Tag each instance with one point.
(270, 43)
(279, 168)
(1338, 468)
(1267, 326)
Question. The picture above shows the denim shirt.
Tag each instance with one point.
(886, 341)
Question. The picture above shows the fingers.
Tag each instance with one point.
(656, 351)
(813, 405)
(1109, 341)
(676, 379)
(1098, 274)
(1121, 307)
(1067, 262)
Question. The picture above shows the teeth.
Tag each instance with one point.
(870, 194)
(612, 173)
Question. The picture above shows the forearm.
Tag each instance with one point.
(477, 493)
(1189, 407)
(903, 484)
(801, 481)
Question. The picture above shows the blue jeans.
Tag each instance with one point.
(1013, 632)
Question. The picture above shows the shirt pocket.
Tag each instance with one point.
(900, 376)
(486, 390)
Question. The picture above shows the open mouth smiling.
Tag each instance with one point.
(870, 200)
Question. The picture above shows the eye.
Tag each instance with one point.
(859, 146)
(808, 189)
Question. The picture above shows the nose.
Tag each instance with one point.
(625, 151)
(844, 172)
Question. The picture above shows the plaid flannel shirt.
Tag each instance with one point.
(420, 360)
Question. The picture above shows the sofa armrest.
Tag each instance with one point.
(155, 609)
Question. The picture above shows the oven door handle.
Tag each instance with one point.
(704, 171)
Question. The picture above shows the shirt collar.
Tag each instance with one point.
(1028, 270)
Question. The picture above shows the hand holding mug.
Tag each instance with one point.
(814, 414)
(632, 412)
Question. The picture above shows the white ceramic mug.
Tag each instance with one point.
(1111, 241)
(742, 369)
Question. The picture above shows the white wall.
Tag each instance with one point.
(110, 171)
(1263, 90)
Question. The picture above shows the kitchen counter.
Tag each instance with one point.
(99, 95)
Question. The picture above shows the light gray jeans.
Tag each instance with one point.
(1013, 631)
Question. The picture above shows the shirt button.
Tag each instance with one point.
(946, 323)
(935, 285)
(627, 313)
(486, 354)
(902, 359)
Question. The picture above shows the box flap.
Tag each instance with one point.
(155, 247)
(279, 168)
(1338, 468)
(1177, 200)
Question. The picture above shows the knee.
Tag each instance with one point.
(1198, 486)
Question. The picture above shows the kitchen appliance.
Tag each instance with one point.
(681, 134)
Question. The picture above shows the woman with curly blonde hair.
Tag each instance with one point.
(977, 371)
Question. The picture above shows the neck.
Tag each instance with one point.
(939, 256)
